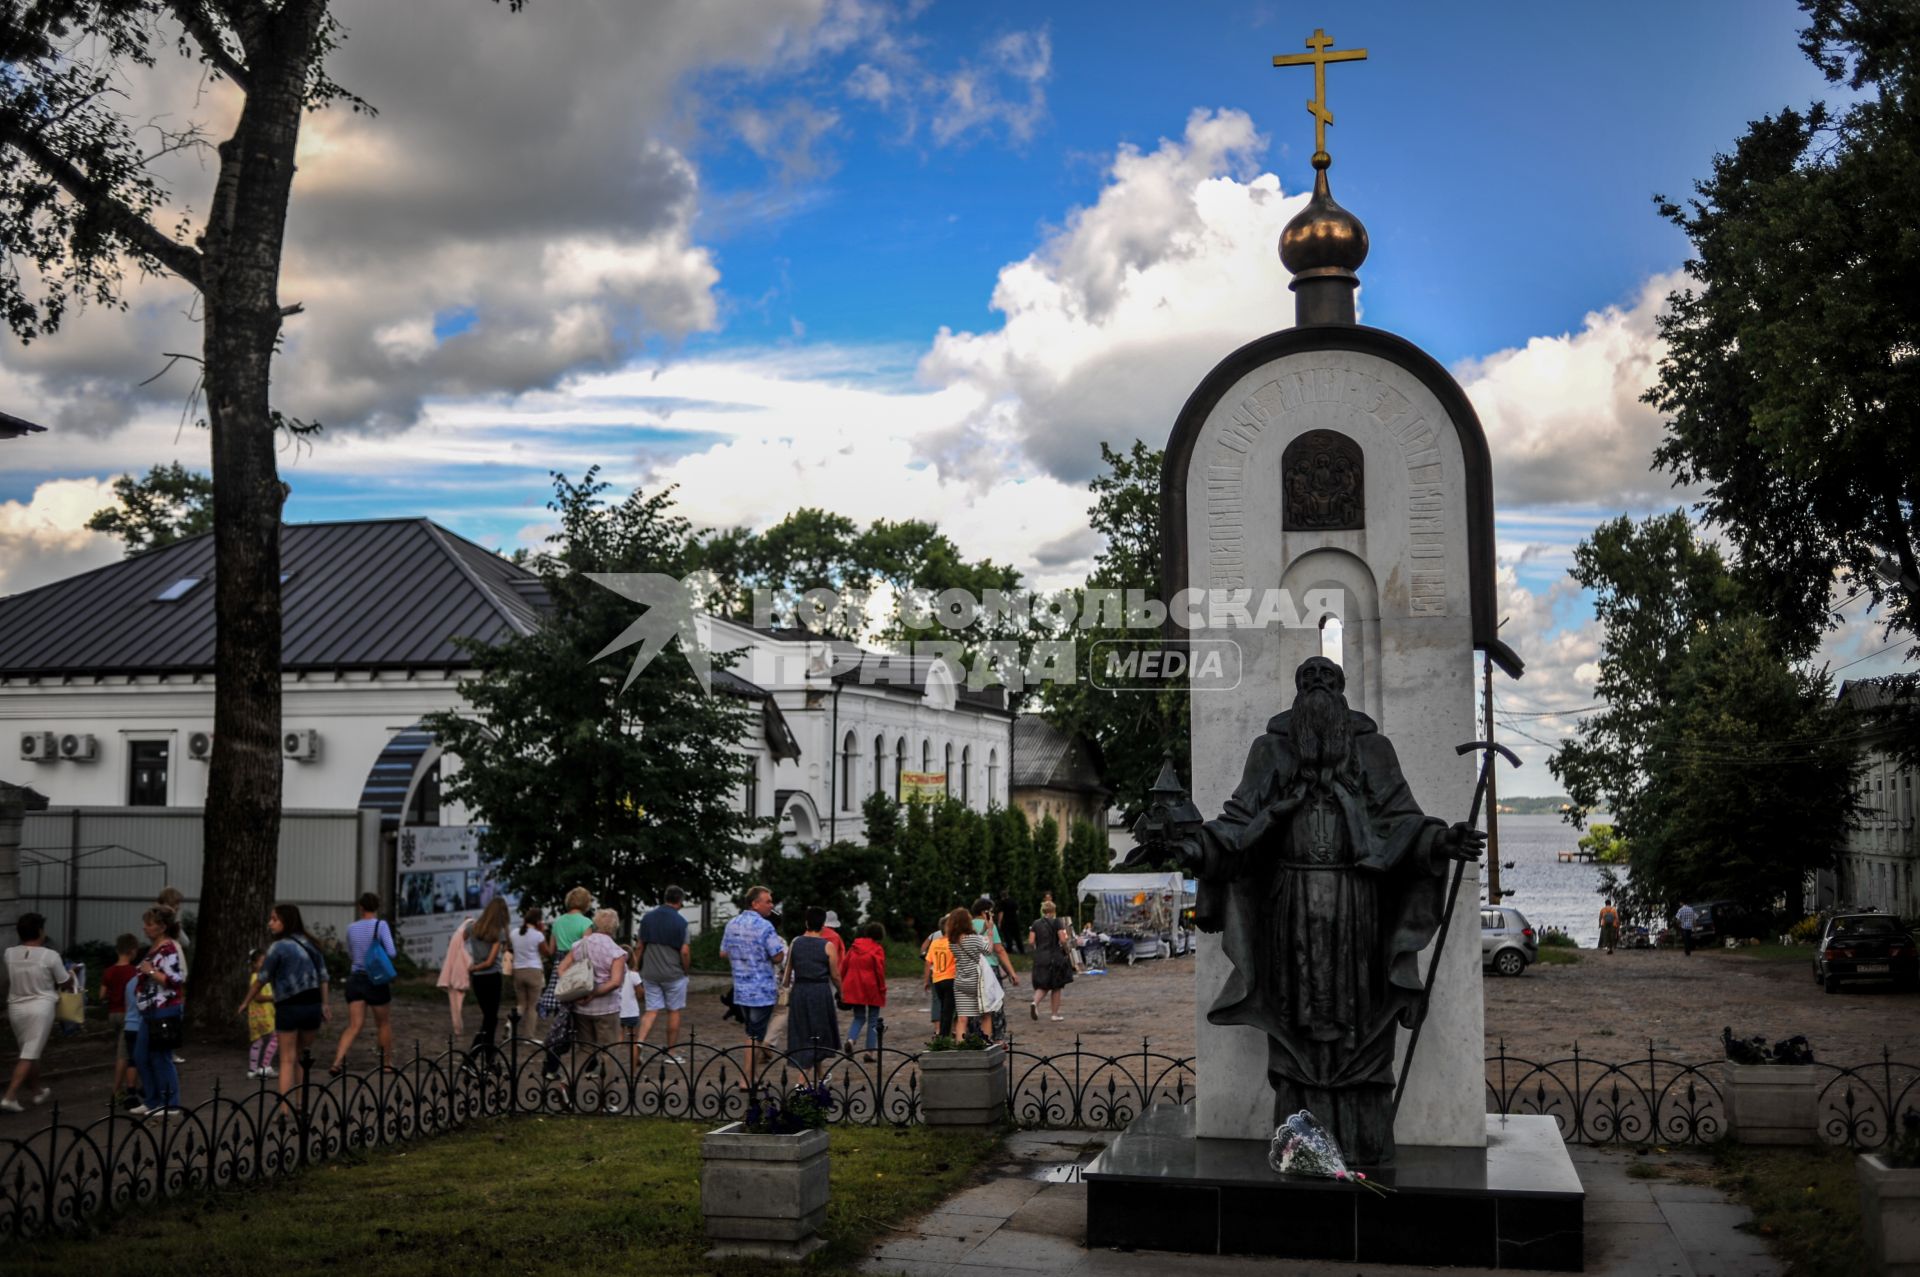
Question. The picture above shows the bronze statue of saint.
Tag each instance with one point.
(1325, 881)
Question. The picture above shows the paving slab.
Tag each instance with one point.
(998, 1198)
(1009, 1251)
(1666, 1194)
(1059, 1211)
(1736, 1266)
(1608, 1210)
(1713, 1228)
(1643, 1250)
(943, 1237)
(905, 1268)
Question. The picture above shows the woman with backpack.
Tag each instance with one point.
(370, 954)
(297, 970)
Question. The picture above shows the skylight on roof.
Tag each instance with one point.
(178, 590)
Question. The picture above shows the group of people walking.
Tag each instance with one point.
(790, 993)
(145, 993)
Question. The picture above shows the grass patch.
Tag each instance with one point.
(1644, 1170)
(1770, 953)
(1559, 957)
(1805, 1201)
(526, 1196)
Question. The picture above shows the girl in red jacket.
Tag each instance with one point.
(863, 986)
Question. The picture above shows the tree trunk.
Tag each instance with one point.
(242, 246)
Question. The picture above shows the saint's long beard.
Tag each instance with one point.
(1322, 731)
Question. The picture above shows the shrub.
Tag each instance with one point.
(1807, 930)
(1557, 940)
(804, 1108)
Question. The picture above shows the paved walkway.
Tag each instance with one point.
(1031, 1217)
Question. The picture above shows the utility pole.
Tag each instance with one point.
(1493, 797)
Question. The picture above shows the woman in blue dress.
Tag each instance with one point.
(813, 971)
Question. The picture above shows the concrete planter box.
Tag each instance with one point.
(966, 1089)
(763, 1195)
(1772, 1103)
(1890, 1215)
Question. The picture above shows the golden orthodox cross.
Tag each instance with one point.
(1322, 45)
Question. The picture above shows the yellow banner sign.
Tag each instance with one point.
(928, 786)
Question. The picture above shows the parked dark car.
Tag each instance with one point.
(1865, 946)
(1718, 921)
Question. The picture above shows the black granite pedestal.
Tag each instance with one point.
(1516, 1204)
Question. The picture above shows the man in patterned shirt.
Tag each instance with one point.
(753, 947)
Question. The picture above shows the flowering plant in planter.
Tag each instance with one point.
(972, 1042)
(804, 1108)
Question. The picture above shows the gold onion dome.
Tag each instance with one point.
(1323, 240)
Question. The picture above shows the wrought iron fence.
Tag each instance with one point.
(72, 1171)
(1655, 1099)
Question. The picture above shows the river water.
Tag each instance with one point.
(1549, 893)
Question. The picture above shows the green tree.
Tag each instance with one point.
(830, 877)
(582, 781)
(1789, 382)
(1606, 844)
(1751, 776)
(170, 504)
(1132, 728)
(82, 201)
(1714, 744)
(1085, 854)
(1656, 585)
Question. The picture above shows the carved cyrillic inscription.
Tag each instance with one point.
(1334, 495)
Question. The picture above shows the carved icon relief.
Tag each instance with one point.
(1323, 483)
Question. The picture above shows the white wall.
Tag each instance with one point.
(356, 717)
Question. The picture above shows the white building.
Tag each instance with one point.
(106, 701)
(1878, 867)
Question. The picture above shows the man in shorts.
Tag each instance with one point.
(664, 958)
(753, 947)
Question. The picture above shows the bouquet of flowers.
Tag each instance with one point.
(1301, 1146)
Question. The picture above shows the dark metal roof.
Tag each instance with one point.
(1879, 693)
(12, 427)
(1044, 757)
(366, 594)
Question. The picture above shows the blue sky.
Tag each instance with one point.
(920, 260)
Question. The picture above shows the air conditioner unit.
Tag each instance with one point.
(79, 746)
(200, 745)
(39, 747)
(301, 746)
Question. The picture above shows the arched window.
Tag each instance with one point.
(926, 755)
(879, 755)
(946, 785)
(849, 751)
(993, 776)
(899, 767)
(1333, 644)
(966, 774)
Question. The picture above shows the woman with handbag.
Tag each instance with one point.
(487, 945)
(596, 1014)
(161, 996)
(813, 977)
(974, 984)
(567, 930)
(296, 969)
(35, 976)
(370, 972)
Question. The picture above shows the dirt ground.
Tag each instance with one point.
(1610, 1005)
